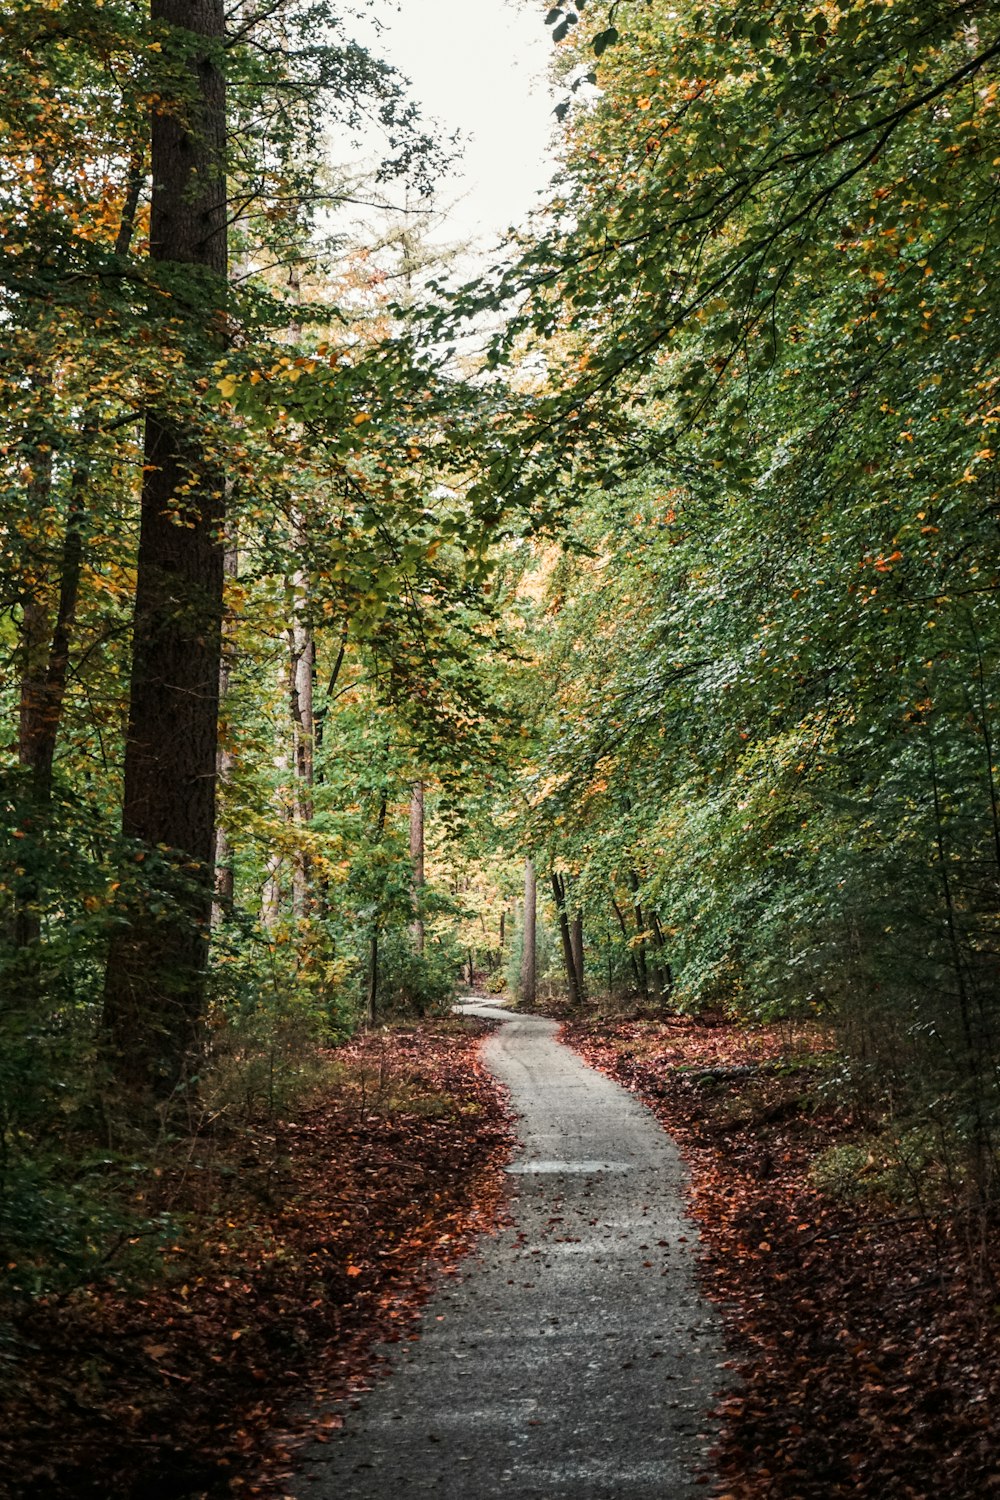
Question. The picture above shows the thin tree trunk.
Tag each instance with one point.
(576, 944)
(34, 634)
(631, 951)
(225, 760)
(319, 726)
(32, 728)
(301, 671)
(371, 999)
(664, 972)
(155, 983)
(319, 717)
(559, 892)
(640, 928)
(417, 860)
(529, 976)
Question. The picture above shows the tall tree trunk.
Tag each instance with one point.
(155, 983)
(417, 860)
(529, 986)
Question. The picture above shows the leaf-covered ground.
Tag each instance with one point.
(325, 1235)
(865, 1345)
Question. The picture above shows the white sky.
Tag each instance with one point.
(479, 68)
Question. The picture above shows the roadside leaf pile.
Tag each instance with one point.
(325, 1237)
(865, 1333)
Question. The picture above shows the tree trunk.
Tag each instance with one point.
(576, 945)
(371, 999)
(569, 962)
(302, 659)
(664, 972)
(225, 759)
(640, 928)
(637, 976)
(34, 633)
(417, 860)
(270, 896)
(155, 983)
(529, 986)
(32, 727)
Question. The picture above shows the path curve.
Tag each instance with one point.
(574, 1358)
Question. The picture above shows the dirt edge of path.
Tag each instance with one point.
(268, 1313)
(865, 1347)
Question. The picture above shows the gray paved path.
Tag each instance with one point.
(573, 1359)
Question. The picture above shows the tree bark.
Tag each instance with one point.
(637, 976)
(569, 961)
(529, 986)
(34, 632)
(155, 982)
(417, 860)
(640, 928)
(371, 997)
(664, 972)
(302, 661)
(32, 726)
(576, 944)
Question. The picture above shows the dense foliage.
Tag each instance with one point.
(770, 349)
(685, 593)
(286, 396)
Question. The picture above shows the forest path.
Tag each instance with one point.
(574, 1356)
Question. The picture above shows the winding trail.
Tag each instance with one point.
(574, 1357)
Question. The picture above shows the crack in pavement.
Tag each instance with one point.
(574, 1356)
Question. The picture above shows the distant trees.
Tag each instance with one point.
(769, 664)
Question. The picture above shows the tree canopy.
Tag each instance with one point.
(320, 624)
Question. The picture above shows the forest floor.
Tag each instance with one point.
(863, 1333)
(863, 1339)
(317, 1236)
